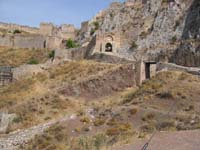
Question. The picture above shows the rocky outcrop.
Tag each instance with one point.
(154, 26)
(188, 53)
(174, 67)
(5, 120)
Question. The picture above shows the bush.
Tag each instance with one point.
(112, 132)
(71, 44)
(52, 54)
(17, 120)
(148, 117)
(123, 128)
(165, 95)
(134, 45)
(99, 122)
(85, 120)
(33, 62)
(133, 111)
(173, 40)
(16, 32)
(92, 31)
(96, 25)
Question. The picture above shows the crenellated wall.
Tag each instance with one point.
(47, 36)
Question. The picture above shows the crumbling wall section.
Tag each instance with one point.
(23, 41)
(12, 27)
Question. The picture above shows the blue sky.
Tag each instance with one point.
(32, 12)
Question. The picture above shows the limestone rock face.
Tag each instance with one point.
(6, 119)
(151, 24)
(188, 53)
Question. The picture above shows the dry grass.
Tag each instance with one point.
(57, 138)
(144, 109)
(79, 70)
(16, 57)
(36, 99)
(54, 138)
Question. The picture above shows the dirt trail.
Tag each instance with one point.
(183, 140)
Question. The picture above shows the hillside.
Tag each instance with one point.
(16, 57)
(61, 90)
(129, 72)
(132, 114)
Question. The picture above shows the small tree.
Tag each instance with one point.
(71, 44)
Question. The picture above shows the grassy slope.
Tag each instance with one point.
(17, 57)
(36, 99)
(134, 113)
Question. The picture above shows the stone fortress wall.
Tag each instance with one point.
(12, 27)
(46, 36)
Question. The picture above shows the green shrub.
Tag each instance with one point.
(33, 62)
(16, 32)
(92, 31)
(71, 44)
(52, 54)
(17, 120)
(96, 25)
(134, 45)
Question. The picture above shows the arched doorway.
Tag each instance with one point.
(108, 47)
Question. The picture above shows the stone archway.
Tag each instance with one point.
(108, 47)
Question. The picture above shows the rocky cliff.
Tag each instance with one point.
(188, 53)
(151, 29)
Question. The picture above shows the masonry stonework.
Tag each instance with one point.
(107, 43)
(47, 36)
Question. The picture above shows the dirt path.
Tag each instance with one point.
(13, 140)
(183, 140)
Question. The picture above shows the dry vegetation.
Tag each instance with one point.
(133, 113)
(16, 57)
(37, 99)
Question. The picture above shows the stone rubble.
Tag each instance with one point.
(13, 140)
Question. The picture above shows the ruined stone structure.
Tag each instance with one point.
(107, 43)
(12, 27)
(145, 70)
(65, 31)
(47, 36)
(6, 75)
